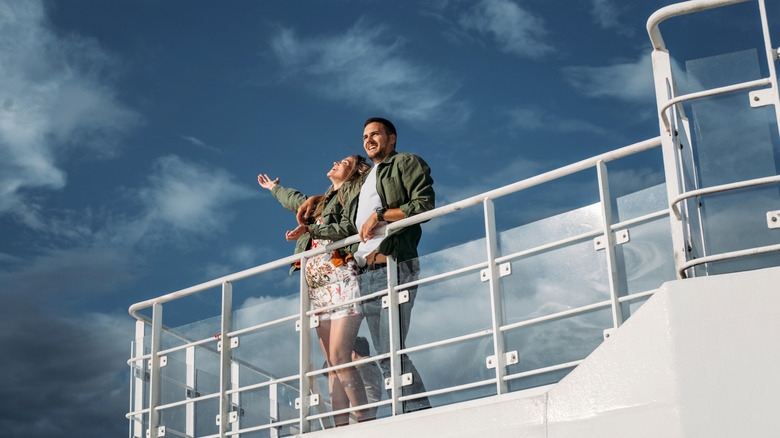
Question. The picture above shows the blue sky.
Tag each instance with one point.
(131, 135)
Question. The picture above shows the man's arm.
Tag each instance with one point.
(420, 197)
(419, 185)
(307, 208)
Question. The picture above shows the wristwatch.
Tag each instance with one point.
(380, 214)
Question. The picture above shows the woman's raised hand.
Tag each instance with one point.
(265, 182)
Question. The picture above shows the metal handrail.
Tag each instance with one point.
(419, 218)
(728, 256)
(708, 93)
(720, 188)
(676, 10)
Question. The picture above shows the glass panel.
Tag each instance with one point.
(272, 352)
(455, 257)
(552, 229)
(554, 281)
(734, 142)
(445, 309)
(206, 412)
(554, 342)
(173, 385)
(174, 419)
(645, 262)
(641, 203)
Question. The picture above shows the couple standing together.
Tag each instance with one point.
(361, 200)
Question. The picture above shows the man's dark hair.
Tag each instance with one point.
(389, 127)
(361, 347)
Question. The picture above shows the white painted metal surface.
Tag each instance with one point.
(697, 360)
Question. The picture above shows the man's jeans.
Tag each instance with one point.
(377, 319)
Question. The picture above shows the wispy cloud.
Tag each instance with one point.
(516, 30)
(184, 196)
(606, 14)
(53, 97)
(366, 67)
(630, 81)
(200, 143)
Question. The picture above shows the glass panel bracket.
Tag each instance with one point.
(314, 400)
(233, 344)
(773, 219)
(160, 431)
(403, 297)
(406, 380)
(314, 322)
(621, 237)
(762, 97)
(163, 362)
(511, 359)
(504, 269)
(232, 417)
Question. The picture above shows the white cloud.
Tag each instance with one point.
(178, 197)
(186, 196)
(200, 143)
(606, 13)
(51, 98)
(365, 67)
(516, 30)
(630, 81)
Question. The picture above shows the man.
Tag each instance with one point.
(398, 186)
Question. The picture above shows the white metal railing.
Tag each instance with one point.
(499, 327)
(491, 269)
(670, 104)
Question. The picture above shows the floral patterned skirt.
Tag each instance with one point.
(332, 280)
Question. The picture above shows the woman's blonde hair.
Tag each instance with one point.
(350, 185)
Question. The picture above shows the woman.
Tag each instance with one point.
(332, 278)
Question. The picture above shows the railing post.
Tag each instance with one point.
(665, 89)
(189, 410)
(235, 398)
(273, 408)
(609, 236)
(305, 351)
(496, 306)
(154, 372)
(394, 326)
(139, 380)
(771, 56)
(225, 367)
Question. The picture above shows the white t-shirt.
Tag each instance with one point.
(368, 202)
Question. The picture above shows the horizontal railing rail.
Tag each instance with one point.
(441, 211)
(416, 219)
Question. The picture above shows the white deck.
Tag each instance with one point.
(699, 359)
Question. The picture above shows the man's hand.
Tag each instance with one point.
(367, 230)
(265, 182)
(372, 223)
(299, 231)
(305, 210)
